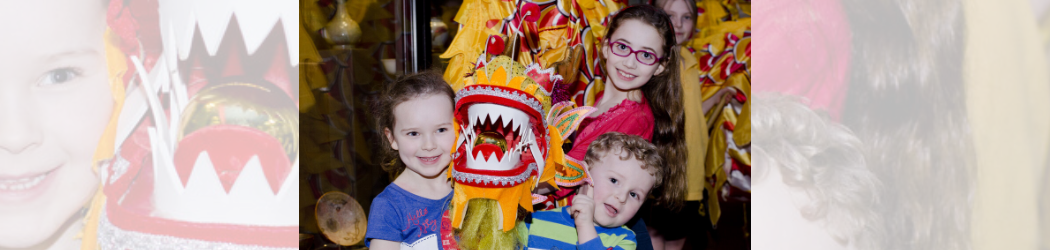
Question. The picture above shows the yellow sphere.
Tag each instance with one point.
(259, 106)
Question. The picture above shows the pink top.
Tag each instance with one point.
(807, 48)
(628, 117)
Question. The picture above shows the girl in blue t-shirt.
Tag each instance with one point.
(415, 115)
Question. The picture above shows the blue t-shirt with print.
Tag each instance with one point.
(400, 216)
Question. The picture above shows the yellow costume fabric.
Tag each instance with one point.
(554, 44)
(717, 41)
(722, 52)
(310, 75)
(117, 67)
(470, 41)
(595, 11)
(715, 10)
(696, 137)
(508, 198)
(1008, 102)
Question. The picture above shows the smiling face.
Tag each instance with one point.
(682, 18)
(55, 102)
(422, 134)
(620, 188)
(626, 72)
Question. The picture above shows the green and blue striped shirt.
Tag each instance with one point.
(555, 229)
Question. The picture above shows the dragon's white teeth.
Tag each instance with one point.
(527, 139)
(514, 119)
(212, 20)
(250, 181)
(474, 119)
(257, 22)
(509, 160)
(466, 137)
(169, 39)
(178, 21)
(517, 128)
(506, 121)
(204, 199)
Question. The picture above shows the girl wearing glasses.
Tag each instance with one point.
(642, 94)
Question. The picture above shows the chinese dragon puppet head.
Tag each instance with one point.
(509, 140)
(207, 143)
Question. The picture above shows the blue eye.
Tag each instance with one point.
(634, 195)
(59, 75)
(621, 46)
(647, 55)
(413, 133)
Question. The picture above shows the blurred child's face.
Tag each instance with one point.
(422, 134)
(55, 102)
(781, 224)
(620, 188)
(626, 72)
(682, 19)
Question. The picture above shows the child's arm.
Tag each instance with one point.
(583, 212)
(378, 244)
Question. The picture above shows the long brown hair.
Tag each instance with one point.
(907, 102)
(664, 93)
(404, 89)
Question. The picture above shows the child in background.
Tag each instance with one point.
(815, 190)
(623, 170)
(670, 229)
(683, 16)
(415, 116)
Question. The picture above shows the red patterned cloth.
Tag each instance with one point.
(448, 235)
(628, 117)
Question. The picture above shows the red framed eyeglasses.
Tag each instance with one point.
(643, 56)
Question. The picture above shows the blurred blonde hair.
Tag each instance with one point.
(822, 158)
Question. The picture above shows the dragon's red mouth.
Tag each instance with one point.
(494, 138)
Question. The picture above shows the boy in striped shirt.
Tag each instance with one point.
(623, 169)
